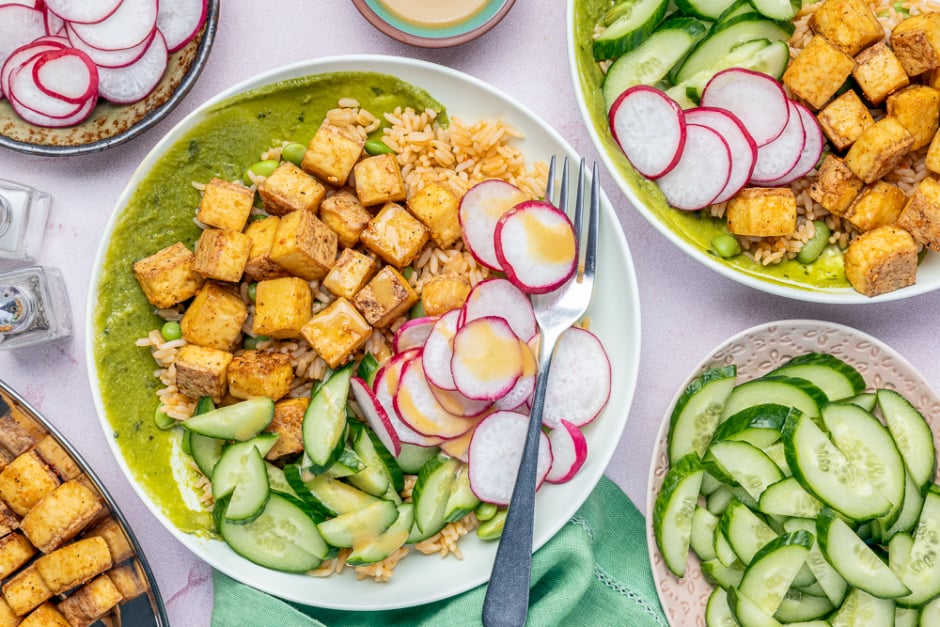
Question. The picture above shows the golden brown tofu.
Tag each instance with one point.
(332, 153)
(762, 212)
(350, 273)
(437, 207)
(25, 481)
(290, 189)
(395, 235)
(881, 260)
(8, 520)
(282, 306)
(214, 319)
(917, 107)
(877, 205)
(346, 216)
(260, 266)
(225, 205)
(916, 42)
(200, 371)
(444, 293)
(844, 119)
(111, 532)
(288, 422)
(15, 550)
(61, 515)
(851, 25)
(836, 186)
(57, 458)
(337, 332)
(128, 580)
(222, 255)
(878, 73)
(304, 246)
(932, 160)
(878, 149)
(14, 439)
(921, 215)
(386, 297)
(46, 615)
(8, 617)
(818, 72)
(378, 180)
(74, 564)
(168, 277)
(26, 590)
(259, 373)
(90, 602)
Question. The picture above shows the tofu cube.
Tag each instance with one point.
(46, 615)
(90, 602)
(879, 149)
(878, 73)
(350, 273)
(26, 590)
(337, 332)
(57, 458)
(201, 371)
(395, 235)
(332, 153)
(762, 212)
(346, 216)
(931, 78)
(74, 564)
(225, 205)
(378, 180)
(444, 293)
(15, 550)
(436, 207)
(60, 515)
(14, 438)
(214, 319)
(9, 521)
(881, 260)
(222, 255)
(877, 205)
(288, 423)
(932, 160)
(304, 246)
(260, 266)
(290, 189)
(844, 119)
(25, 481)
(282, 306)
(168, 277)
(8, 617)
(111, 532)
(921, 215)
(386, 297)
(818, 72)
(917, 107)
(851, 25)
(916, 42)
(260, 373)
(128, 580)
(836, 186)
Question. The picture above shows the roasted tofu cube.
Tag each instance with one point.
(225, 205)
(878, 73)
(350, 273)
(917, 107)
(282, 307)
(346, 216)
(74, 564)
(15, 550)
(13, 437)
(200, 371)
(60, 515)
(337, 332)
(851, 25)
(90, 602)
(288, 422)
(304, 246)
(877, 205)
(222, 255)
(920, 216)
(932, 160)
(881, 260)
(8, 519)
(168, 277)
(395, 235)
(844, 119)
(916, 42)
(836, 186)
(762, 212)
(378, 180)
(386, 297)
(878, 149)
(8, 617)
(437, 207)
(818, 72)
(57, 458)
(260, 266)
(444, 293)
(26, 590)
(259, 373)
(214, 319)
(111, 532)
(128, 580)
(332, 153)
(46, 615)
(25, 481)
(291, 189)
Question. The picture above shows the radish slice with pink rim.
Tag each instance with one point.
(67, 74)
(458, 404)
(569, 452)
(812, 148)
(487, 360)
(39, 119)
(702, 173)
(82, 10)
(499, 297)
(20, 57)
(413, 333)
(131, 23)
(781, 155)
(55, 25)
(180, 20)
(496, 452)
(385, 387)
(522, 391)
(375, 415)
(536, 247)
(438, 351)
(108, 58)
(578, 381)
(480, 209)
(756, 99)
(132, 83)
(740, 144)
(24, 90)
(420, 410)
(649, 127)
(19, 25)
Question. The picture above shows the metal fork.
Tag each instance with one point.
(507, 597)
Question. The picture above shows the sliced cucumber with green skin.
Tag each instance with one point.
(780, 390)
(778, 456)
(431, 492)
(278, 481)
(228, 471)
(909, 514)
(831, 582)
(206, 451)
(788, 498)
(759, 425)
(919, 567)
(702, 538)
(741, 464)
(717, 611)
(360, 526)
(373, 453)
(251, 491)
(907, 617)
(741, 7)
(368, 367)
(413, 457)
(462, 500)
(837, 379)
(348, 463)
(861, 609)
(705, 9)
(724, 552)
(241, 421)
(746, 532)
(331, 495)
(747, 613)
(324, 426)
(865, 400)
(797, 607)
(638, 18)
(929, 615)
(780, 10)
(912, 435)
(673, 510)
(717, 501)
(392, 539)
(697, 412)
(769, 575)
(723, 576)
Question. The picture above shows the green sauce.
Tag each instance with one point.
(226, 141)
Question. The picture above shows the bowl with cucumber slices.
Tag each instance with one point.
(795, 479)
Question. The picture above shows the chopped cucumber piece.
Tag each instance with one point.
(696, 414)
(769, 575)
(780, 390)
(251, 491)
(912, 435)
(431, 492)
(740, 464)
(241, 421)
(636, 20)
(413, 457)
(324, 426)
(759, 425)
(360, 526)
(231, 466)
(837, 379)
(377, 549)
(673, 510)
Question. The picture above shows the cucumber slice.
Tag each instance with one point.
(241, 421)
(695, 416)
(373, 453)
(324, 426)
(779, 390)
(797, 606)
(746, 532)
(717, 611)
(912, 435)
(861, 609)
(747, 613)
(837, 379)
(724, 552)
(759, 425)
(388, 542)
(781, 10)
(705, 9)
(637, 19)
(741, 7)
(348, 463)
(740, 464)
(251, 491)
(777, 455)
(368, 367)
(673, 509)
(929, 615)
(206, 451)
(231, 466)
(833, 585)
(702, 538)
(360, 526)
(865, 400)
(909, 514)
(918, 567)
(462, 500)
(278, 481)
(717, 501)
(788, 498)
(771, 572)
(723, 576)
(431, 492)
(331, 495)
(413, 457)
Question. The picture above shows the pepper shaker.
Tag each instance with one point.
(23, 213)
(34, 307)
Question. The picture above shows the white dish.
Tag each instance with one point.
(614, 316)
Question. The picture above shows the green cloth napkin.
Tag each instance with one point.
(595, 571)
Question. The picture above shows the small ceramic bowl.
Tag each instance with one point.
(378, 14)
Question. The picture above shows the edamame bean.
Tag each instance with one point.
(417, 311)
(492, 529)
(726, 245)
(162, 419)
(814, 245)
(261, 168)
(293, 152)
(253, 292)
(251, 343)
(377, 147)
(485, 511)
(171, 330)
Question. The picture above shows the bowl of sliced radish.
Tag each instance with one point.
(81, 76)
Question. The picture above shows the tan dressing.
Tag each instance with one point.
(434, 13)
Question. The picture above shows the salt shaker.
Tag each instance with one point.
(34, 307)
(23, 213)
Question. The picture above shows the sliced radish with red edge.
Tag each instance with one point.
(180, 20)
(756, 99)
(569, 452)
(536, 246)
(499, 297)
(82, 10)
(702, 173)
(459, 405)
(578, 381)
(55, 25)
(487, 360)
(438, 351)
(812, 148)
(496, 452)
(375, 415)
(522, 391)
(67, 74)
(480, 209)
(740, 144)
(131, 23)
(24, 90)
(132, 83)
(19, 25)
(385, 387)
(20, 57)
(781, 155)
(420, 410)
(413, 333)
(649, 127)
(108, 58)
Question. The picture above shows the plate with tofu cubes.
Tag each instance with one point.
(262, 294)
(67, 555)
(839, 200)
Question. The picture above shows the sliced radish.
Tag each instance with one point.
(812, 148)
(740, 144)
(522, 391)
(649, 127)
(38, 119)
(499, 297)
(20, 57)
(83, 10)
(420, 410)
(19, 25)
(458, 404)
(781, 155)
(487, 359)
(459, 448)
(385, 387)
(496, 452)
(180, 20)
(480, 209)
(578, 381)
(375, 415)
(439, 350)
(569, 452)
(536, 246)
(702, 173)
(132, 83)
(55, 25)
(131, 23)
(24, 90)
(413, 333)
(67, 74)
(756, 99)
(108, 58)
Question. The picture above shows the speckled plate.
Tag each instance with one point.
(453, 35)
(755, 352)
(110, 125)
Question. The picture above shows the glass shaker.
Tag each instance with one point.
(34, 307)
(23, 213)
